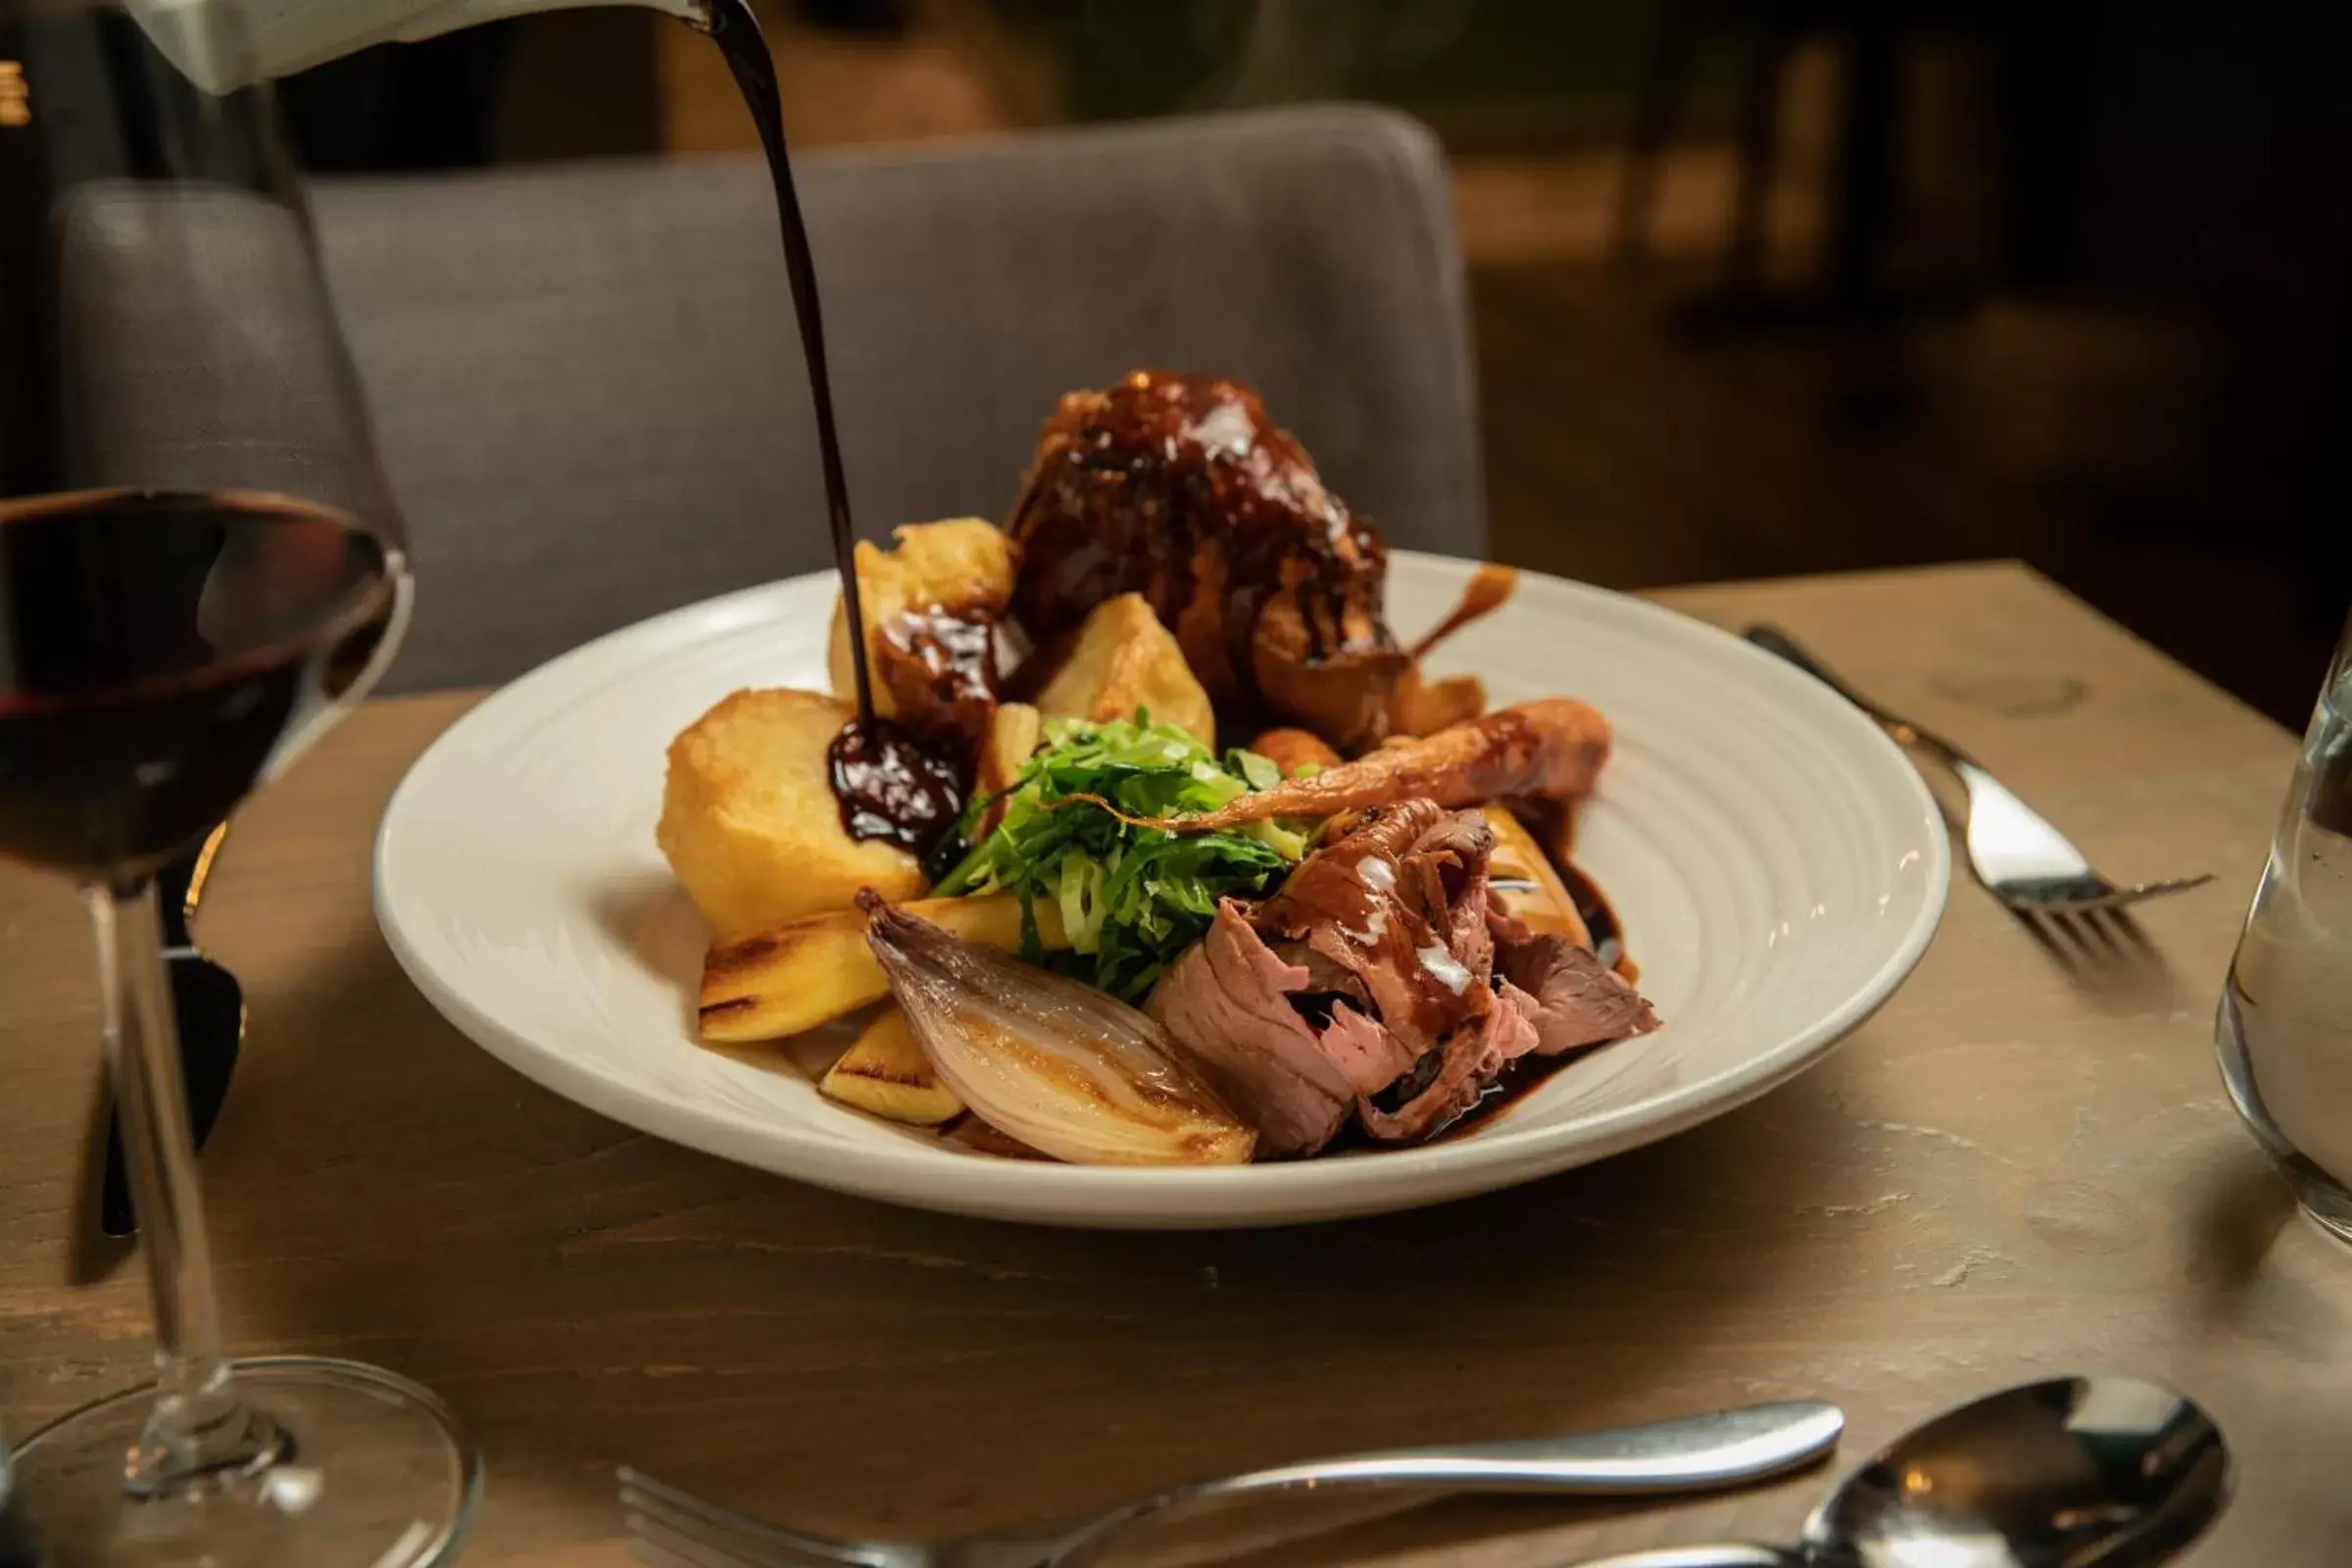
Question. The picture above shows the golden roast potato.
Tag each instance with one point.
(885, 1074)
(1530, 888)
(817, 968)
(1124, 660)
(1295, 749)
(750, 823)
(1013, 732)
(1419, 706)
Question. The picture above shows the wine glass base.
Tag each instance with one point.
(377, 1474)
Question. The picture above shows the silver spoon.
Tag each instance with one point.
(2066, 1474)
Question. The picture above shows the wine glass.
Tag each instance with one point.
(200, 569)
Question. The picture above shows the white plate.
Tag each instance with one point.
(1778, 866)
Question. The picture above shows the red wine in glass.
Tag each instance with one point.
(200, 570)
(160, 653)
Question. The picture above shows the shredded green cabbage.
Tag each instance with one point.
(1131, 898)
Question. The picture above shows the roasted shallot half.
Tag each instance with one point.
(1065, 1068)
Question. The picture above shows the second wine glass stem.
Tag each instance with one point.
(201, 1429)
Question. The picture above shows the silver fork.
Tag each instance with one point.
(1695, 1454)
(2019, 858)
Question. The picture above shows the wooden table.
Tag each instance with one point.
(2015, 1169)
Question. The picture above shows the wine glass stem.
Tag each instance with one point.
(200, 1428)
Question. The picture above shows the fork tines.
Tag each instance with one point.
(2099, 934)
(675, 1529)
(2078, 914)
(2123, 898)
(2096, 927)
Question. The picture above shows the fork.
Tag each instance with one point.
(2019, 858)
(1695, 1454)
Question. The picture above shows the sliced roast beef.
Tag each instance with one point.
(1327, 979)
(1346, 901)
(1369, 1056)
(1378, 982)
(1469, 1060)
(1228, 999)
(1578, 1001)
(1443, 879)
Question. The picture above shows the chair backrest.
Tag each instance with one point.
(587, 385)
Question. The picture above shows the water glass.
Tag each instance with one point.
(2285, 1025)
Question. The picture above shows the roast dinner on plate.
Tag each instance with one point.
(1134, 835)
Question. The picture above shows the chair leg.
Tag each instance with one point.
(1656, 106)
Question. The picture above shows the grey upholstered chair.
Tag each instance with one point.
(587, 385)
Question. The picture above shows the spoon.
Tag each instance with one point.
(2065, 1474)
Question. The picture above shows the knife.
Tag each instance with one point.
(208, 1006)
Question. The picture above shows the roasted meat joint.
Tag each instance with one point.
(1181, 489)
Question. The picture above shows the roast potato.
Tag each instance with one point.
(1518, 857)
(1124, 660)
(1419, 706)
(814, 970)
(962, 564)
(1293, 749)
(1014, 731)
(750, 823)
(885, 1074)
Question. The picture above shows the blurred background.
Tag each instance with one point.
(1760, 287)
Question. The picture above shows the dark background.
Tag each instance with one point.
(2062, 281)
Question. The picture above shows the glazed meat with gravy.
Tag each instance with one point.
(1180, 488)
(1378, 983)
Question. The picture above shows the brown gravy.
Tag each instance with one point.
(1599, 916)
(895, 786)
(890, 784)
